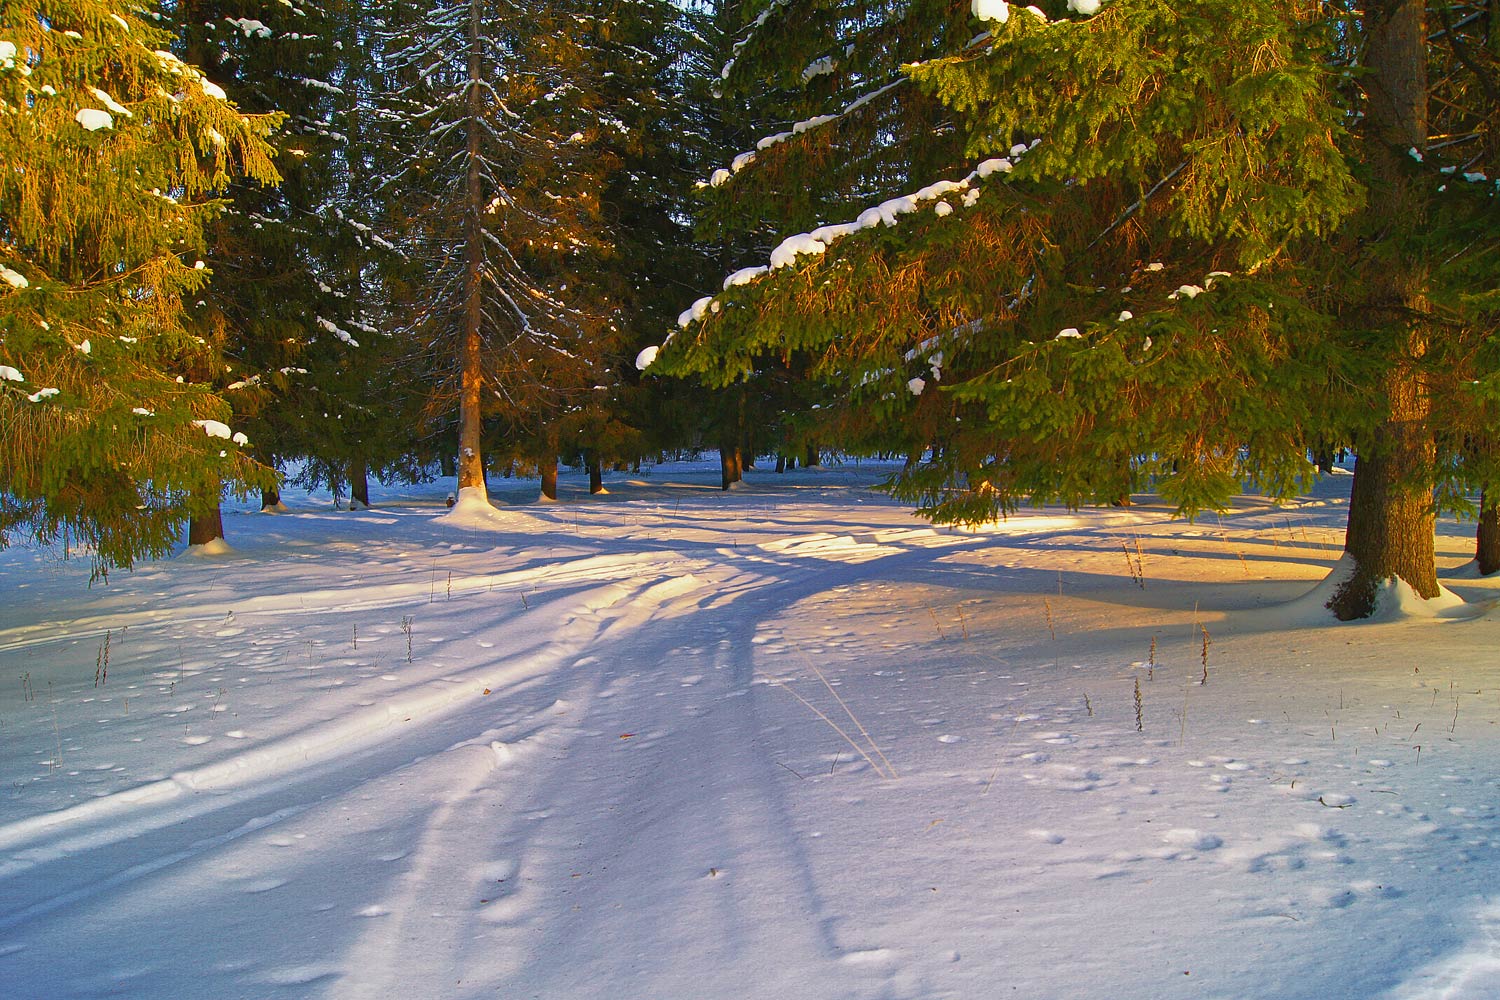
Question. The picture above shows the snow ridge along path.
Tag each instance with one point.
(569, 752)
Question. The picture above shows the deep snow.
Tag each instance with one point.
(571, 751)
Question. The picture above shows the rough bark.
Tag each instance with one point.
(471, 387)
(1391, 515)
(549, 477)
(596, 476)
(359, 483)
(206, 528)
(270, 498)
(1487, 539)
(728, 473)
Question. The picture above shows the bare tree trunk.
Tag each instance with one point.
(727, 476)
(1392, 520)
(471, 388)
(359, 483)
(596, 475)
(780, 462)
(549, 476)
(1487, 540)
(206, 528)
(811, 457)
(270, 498)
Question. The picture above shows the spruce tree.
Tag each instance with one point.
(1181, 243)
(113, 152)
(280, 252)
(489, 108)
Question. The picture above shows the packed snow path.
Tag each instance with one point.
(572, 752)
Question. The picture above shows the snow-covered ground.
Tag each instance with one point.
(576, 751)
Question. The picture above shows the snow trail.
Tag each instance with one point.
(374, 754)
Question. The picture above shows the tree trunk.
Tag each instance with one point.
(1392, 519)
(359, 483)
(596, 475)
(270, 498)
(811, 458)
(780, 462)
(727, 477)
(471, 388)
(549, 477)
(206, 528)
(1487, 541)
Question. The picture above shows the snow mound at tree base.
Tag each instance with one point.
(473, 510)
(1395, 600)
(217, 547)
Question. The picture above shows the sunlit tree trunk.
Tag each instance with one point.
(1391, 513)
(471, 389)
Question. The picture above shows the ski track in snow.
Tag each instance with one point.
(564, 755)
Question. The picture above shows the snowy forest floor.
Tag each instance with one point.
(572, 751)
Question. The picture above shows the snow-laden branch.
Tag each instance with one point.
(887, 213)
(721, 176)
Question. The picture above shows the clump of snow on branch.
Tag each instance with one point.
(110, 103)
(997, 11)
(93, 119)
(334, 329)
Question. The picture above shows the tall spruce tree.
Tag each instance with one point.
(113, 152)
(1179, 241)
(278, 252)
(490, 109)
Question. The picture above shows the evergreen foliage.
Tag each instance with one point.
(113, 152)
(490, 109)
(1166, 268)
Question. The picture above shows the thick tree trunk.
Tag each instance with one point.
(727, 472)
(471, 387)
(780, 462)
(1391, 514)
(206, 528)
(270, 498)
(811, 457)
(1487, 540)
(596, 476)
(549, 477)
(359, 483)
